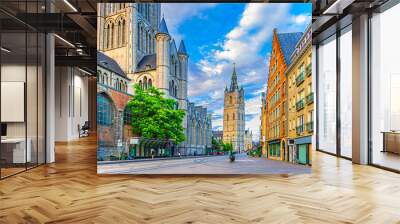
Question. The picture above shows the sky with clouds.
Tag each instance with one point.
(218, 35)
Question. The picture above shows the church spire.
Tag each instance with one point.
(163, 27)
(234, 85)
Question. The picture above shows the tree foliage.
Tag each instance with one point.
(155, 116)
(216, 145)
(227, 147)
(256, 152)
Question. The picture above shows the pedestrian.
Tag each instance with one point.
(179, 154)
(152, 153)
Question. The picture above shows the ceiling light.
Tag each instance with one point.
(337, 7)
(5, 50)
(64, 40)
(84, 71)
(70, 5)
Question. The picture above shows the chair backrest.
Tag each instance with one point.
(86, 125)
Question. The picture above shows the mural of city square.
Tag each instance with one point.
(204, 88)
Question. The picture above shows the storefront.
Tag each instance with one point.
(274, 149)
(303, 148)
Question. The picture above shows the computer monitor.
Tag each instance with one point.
(3, 129)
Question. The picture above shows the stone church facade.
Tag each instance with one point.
(137, 38)
(234, 115)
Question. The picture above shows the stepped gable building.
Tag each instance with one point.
(283, 45)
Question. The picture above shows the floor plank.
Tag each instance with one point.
(70, 191)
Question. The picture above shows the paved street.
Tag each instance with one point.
(204, 165)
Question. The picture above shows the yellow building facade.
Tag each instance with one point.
(300, 99)
(263, 128)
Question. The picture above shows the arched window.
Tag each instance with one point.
(233, 116)
(141, 39)
(119, 32)
(171, 88)
(227, 117)
(173, 63)
(106, 36)
(175, 91)
(127, 115)
(150, 83)
(138, 37)
(105, 79)
(123, 32)
(230, 99)
(151, 43)
(105, 110)
(141, 84)
(147, 43)
(112, 36)
(145, 82)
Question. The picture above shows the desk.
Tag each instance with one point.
(13, 150)
(391, 142)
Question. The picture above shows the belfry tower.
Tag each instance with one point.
(234, 114)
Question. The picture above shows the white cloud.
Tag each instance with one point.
(254, 126)
(302, 19)
(176, 14)
(243, 45)
(217, 124)
(253, 105)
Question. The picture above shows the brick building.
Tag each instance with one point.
(283, 45)
(112, 97)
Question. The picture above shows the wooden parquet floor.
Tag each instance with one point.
(70, 191)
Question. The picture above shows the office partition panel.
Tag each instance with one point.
(327, 95)
(385, 89)
(345, 61)
(22, 77)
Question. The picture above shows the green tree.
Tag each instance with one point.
(155, 116)
(256, 152)
(227, 147)
(216, 145)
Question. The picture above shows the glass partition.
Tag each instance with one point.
(346, 92)
(385, 89)
(22, 77)
(327, 95)
(13, 87)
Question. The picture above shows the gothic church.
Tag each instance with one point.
(137, 38)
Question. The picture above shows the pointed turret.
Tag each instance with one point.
(163, 48)
(182, 48)
(234, 85)
(163, 27)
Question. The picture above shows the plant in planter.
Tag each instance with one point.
(232, 156)
(227, 147)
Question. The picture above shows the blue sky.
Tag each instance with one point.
(216, 35)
